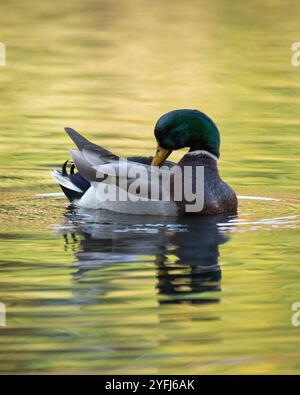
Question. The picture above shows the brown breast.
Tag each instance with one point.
(219, 198)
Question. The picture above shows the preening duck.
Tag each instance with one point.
(153, 185)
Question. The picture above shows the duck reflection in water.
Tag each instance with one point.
(184, 251)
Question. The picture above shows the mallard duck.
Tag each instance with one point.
(98, 168)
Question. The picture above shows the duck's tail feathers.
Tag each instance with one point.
(72, 184)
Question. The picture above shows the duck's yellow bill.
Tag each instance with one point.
(160, 156)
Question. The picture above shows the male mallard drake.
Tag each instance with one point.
(99, 168)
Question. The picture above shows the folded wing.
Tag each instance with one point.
(96, 164)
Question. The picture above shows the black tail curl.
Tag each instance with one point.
(76, 179)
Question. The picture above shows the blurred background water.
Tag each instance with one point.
(107, 293)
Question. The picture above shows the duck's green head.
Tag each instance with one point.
(185, 128)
